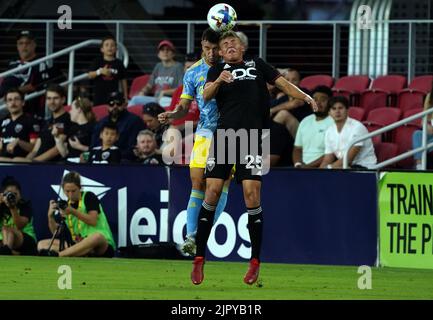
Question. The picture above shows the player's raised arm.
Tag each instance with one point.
(180, 111)
(295, 92)
(212, 86)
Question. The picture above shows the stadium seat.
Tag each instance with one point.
(137, 84)
(385, 151)
(411, 112)
(410, 99)
(421, 83)
(100, 111)
(312, 82)
(390, 83)
(137, 110)
(68, 108)
(372, 99)
(357, 113)
(351, 87)
(379, 118)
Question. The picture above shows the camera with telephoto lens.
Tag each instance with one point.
(11, 198)
(62, 204)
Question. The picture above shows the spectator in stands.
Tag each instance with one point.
(29, 80)
(107, 72)
(19, 131)
(339, 135)
(128, 124)
(86, 220)
(287, 110)
(16, 223)
(145, 151)
(80, 135)
(150, 118)
(166, 77)
(45, 147)
(417, 135)
(107, 152)
(309, 148)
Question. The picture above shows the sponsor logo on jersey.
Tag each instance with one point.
(227, 66)
(244, 74)
(18, 128)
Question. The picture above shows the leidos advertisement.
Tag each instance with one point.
(406, 219)
(310, 216)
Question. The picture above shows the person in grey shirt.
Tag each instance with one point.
(166, 77)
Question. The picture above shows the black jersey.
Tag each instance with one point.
(111, 155)
(24, 128)
(244, 103)
(63, 123)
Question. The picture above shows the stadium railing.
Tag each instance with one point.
(424, 147)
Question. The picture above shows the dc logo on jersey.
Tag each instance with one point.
(105, 155)
(18, 128)
(244, 74)
(210, 164)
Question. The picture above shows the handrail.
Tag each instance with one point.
(392, 126)
(71, 51)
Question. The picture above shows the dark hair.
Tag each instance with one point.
(111, 126)
(153, 109)
(72, 177)
(85, 105)
(210, 35)
(323, 89)
(109, 37)
(340, 99)
(57, 89)
(10, 181)
(14, 90)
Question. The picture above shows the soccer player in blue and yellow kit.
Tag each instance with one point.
(193, 86)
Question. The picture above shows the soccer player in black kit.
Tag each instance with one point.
(239, 88)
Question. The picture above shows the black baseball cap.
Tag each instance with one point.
(25, 33)
(116, 96)
(152, 109)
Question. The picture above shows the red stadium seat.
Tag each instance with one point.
(193, 112)
(411, 112)
(390, 83)
(410, 99)
(385, 151)
(100, 111)
(351, 87)
(372, 99)
(137, 110)
(68, 108)
(381, 117)
(312, 82)
(137, 84)
(357, 113)
(421, 83)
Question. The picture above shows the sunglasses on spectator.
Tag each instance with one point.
(115, 102)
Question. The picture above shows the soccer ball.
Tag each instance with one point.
(221, 17)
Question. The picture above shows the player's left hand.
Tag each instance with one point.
(11, 146)
(164, 117)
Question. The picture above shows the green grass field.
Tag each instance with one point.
(37, 277)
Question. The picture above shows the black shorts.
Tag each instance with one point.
(243, 151)
(28, 248)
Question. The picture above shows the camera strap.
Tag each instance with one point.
(70, 221)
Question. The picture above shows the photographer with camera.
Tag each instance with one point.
(15, 220)
(85, 221)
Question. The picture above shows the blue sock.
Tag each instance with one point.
(221, 204)
(193, 210)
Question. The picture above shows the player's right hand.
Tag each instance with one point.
(225, 76)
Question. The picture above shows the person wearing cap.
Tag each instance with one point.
(128, 124)
(151, 111)
(164, 80)
(28, 80)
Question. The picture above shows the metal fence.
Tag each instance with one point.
(312, 47)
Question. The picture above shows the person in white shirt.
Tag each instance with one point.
(309, 147)
(339, 136)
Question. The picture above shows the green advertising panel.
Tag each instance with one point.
(406, 219)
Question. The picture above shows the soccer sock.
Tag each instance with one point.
(255, 227)
(192, 211)
(205, 219)
(221, 204)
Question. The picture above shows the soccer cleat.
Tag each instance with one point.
(197, 274)
(5, 251)
(253, 272)
(189, 247)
